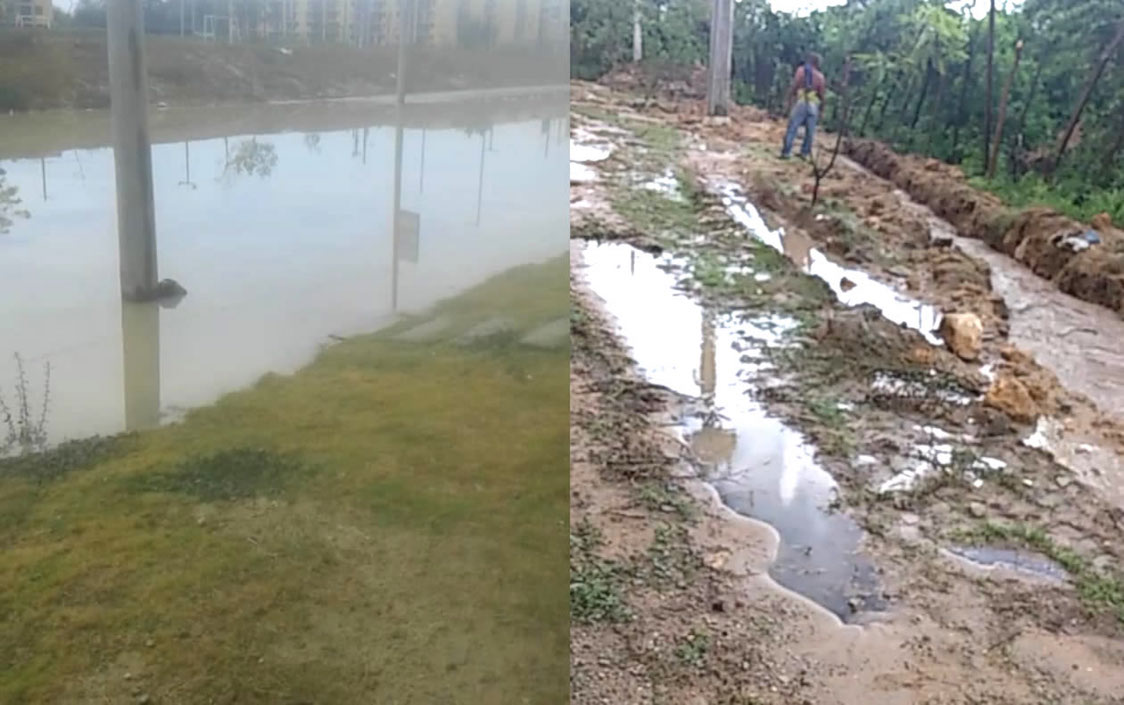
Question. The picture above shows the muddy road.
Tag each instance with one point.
(786, 487)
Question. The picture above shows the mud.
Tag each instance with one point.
(1044, 240)
(877, 400)
(760, 468)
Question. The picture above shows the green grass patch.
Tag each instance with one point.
(65, 458)
(410, 509)
(661, 497)
(237, 473)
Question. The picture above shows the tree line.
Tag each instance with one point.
(1028, 100)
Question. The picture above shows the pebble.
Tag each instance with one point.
(977, 509)
(1063, 481)
(910, 519)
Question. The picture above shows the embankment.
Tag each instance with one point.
(1047, 242)
(69, 69)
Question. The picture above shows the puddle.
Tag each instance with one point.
(666, 185)
(586, 148)
(1026, 563)
(282, 238)
(851, 286)
(760, 467)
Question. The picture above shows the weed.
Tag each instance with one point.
(708, 270)
(670, 560)
(226, 475)
(53, 463)
(596, 584)
(25, 432)
(667, 498)
(693, 649)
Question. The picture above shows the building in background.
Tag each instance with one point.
(27, 13)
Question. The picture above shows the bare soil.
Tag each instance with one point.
(709, 625)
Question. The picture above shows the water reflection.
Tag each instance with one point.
(319, 243)
(11, 205)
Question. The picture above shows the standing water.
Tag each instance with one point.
(760, 467)
(282, 240)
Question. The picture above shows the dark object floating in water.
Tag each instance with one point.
(168, 293)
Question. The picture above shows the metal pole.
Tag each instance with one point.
(229, 21)
(140, 348)
(405, 8)
(182, 15)
(132, 151)
(721, 56)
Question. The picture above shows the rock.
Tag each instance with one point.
(1010, 396)
(846, 284)
(1063, 481)
(940, 238)
(977, 509)
(910, 519)
(1101, 222)
(963, 333)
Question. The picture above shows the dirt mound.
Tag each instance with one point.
(666, 81)
(1046, 241)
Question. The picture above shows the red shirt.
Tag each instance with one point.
(819, 85)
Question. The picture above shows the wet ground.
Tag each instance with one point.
(761, 468)
(282, 240)
(836, 418)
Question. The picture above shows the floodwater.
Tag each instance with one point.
(282, 239)
(1026, 563)
(760, 467)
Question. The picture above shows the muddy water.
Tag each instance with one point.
(282, 240)
(760, 467)
(852, 287)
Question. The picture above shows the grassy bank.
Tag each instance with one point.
(69, 69)
(387, 524)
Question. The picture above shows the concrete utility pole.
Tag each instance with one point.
(405, 22)
(721, 56)
(132, 151)
(637, 34)
(182, 15)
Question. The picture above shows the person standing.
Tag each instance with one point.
(808, 90)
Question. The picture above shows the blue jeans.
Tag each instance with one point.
(803, 114)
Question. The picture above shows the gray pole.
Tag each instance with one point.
(637, 34)
(132, 152)
(43, 173)
(421, 170)
(140, 348)
(405, 12)
(721, 55)
(480, 180)
(182, 13)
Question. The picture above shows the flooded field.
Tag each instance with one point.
(281, 238)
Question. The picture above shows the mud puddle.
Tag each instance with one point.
(1025, 563)
(760, 468)
(852, 287)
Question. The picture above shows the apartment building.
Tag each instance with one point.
(27, 13)
(436, 23)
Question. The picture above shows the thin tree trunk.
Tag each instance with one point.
(1098, 69)
(921, 99)
(993, 158)
(990, 79)
(1109, 159)
(1014, 166)
(882, 110)
(962, 107)
(870, 107)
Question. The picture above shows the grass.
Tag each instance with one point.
(662, 497)
(387, 523)
(1097, 589)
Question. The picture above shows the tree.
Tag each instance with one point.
(994, 156)
(990, 78)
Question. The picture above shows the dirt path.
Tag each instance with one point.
(676, 588)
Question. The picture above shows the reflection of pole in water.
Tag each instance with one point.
(43, 172)
(480, 179)
(355, 143)
(187, 165)
(708, 367)
(140, 347)
(421, 171)
(492, 138)
(366, 131)
(132, 151)
(226, 150)
(396, 208)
